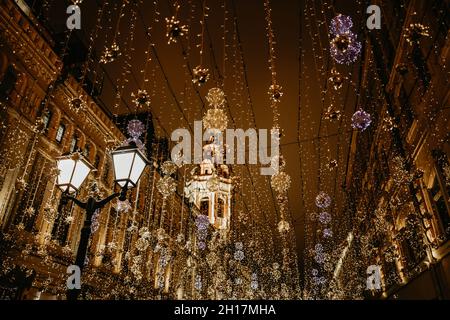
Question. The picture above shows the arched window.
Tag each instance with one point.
(60, 133)
(74, 143)
(204, 206)
(87, 150)
(46, 118)
(220, 208)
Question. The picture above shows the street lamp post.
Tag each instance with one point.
(129, 163)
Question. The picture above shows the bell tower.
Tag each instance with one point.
(210, 187)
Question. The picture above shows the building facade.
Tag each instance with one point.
(45, 113)
(396, 227)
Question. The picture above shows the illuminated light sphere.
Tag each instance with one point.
(216, 97)
(123, 206)
(215, 119)
(239, 245)
(281, 182)
(142, 244)
(169, 168)
(283, 226)
(254, 285)
(340, 24)
(319, 258)
(323, 200)
(239, 255)
(202, 222)
(166, 186)
(324, 217)
(345, 48)
(327, 233)
(318, 248)
(361, 120)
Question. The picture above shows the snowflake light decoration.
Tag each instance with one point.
(200, 75)
(340, 24)
(29, 211)
(332, 114)
(332, 164)
(361, 120)
(110, 54)
(281, 182)
(69, 220)
(174, 29)
(388, 123)
(323, 200)
(275, 92)
(415, 31)
(336, 79)
(141, 98)
(345, 48)
(77, 104)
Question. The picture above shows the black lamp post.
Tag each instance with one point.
(129, 163)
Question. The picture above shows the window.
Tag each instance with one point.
(46, 117)
(204, 207)
(60, 231)
(73, 144)
(87, 150)
(439, 204)
(60, 133)
(220, 208)
(97, 161)
(8, 82)
(106, 170)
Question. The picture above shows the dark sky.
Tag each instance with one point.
(171, 87)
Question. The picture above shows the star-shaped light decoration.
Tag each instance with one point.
(141, 98)
(110, 54)
(200, 75)
(174, 29)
